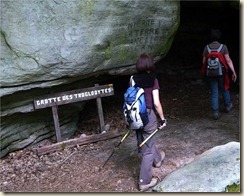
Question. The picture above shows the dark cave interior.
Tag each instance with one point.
(196, 20)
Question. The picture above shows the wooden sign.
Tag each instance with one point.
(71, 97)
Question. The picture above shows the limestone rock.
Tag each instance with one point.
(211, 171)
(43, 41)
(52, 46)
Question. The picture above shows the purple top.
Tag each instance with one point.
(148, 94)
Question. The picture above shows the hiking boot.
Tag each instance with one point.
(160, 162)
(143, 187)
(215, 115)
(228, 109)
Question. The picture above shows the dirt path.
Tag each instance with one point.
(190, 132)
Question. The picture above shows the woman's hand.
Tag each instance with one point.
(234, 77)
(163, 123)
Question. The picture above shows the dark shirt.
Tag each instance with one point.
(148, 94)
(215, 45)
(148, 82)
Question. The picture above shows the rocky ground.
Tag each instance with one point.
(190, 131)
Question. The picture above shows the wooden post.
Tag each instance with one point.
(73, 96)
(56, 123)
(100, 112)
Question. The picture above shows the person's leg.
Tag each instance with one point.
(148, 151)
(139, 138)
(225, 95)
(153, 127)
(213, 84)
(160, 156)
(146, 180)
(147, 160)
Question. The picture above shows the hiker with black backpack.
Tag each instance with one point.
(216, 64)
(145, 79)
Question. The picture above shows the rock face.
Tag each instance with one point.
(48, 46)
(43, 41)
(211, 171)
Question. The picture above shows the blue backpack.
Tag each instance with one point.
(135, 110)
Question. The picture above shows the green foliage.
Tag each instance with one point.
(233, 188)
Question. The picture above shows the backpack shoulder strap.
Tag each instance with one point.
(220, 48)
(139, 93)
(132, 82)
(208, 48)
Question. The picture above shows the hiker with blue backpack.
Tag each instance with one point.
(216, 64)
(142, 108)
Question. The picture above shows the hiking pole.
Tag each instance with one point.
(148, 137)
(160, 127)
(153, 133)
(117, 146)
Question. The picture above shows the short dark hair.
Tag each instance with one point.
(145, 63)
(215, 35)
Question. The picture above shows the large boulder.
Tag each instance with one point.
(43, 41)
(51, 46)
(211, 171)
